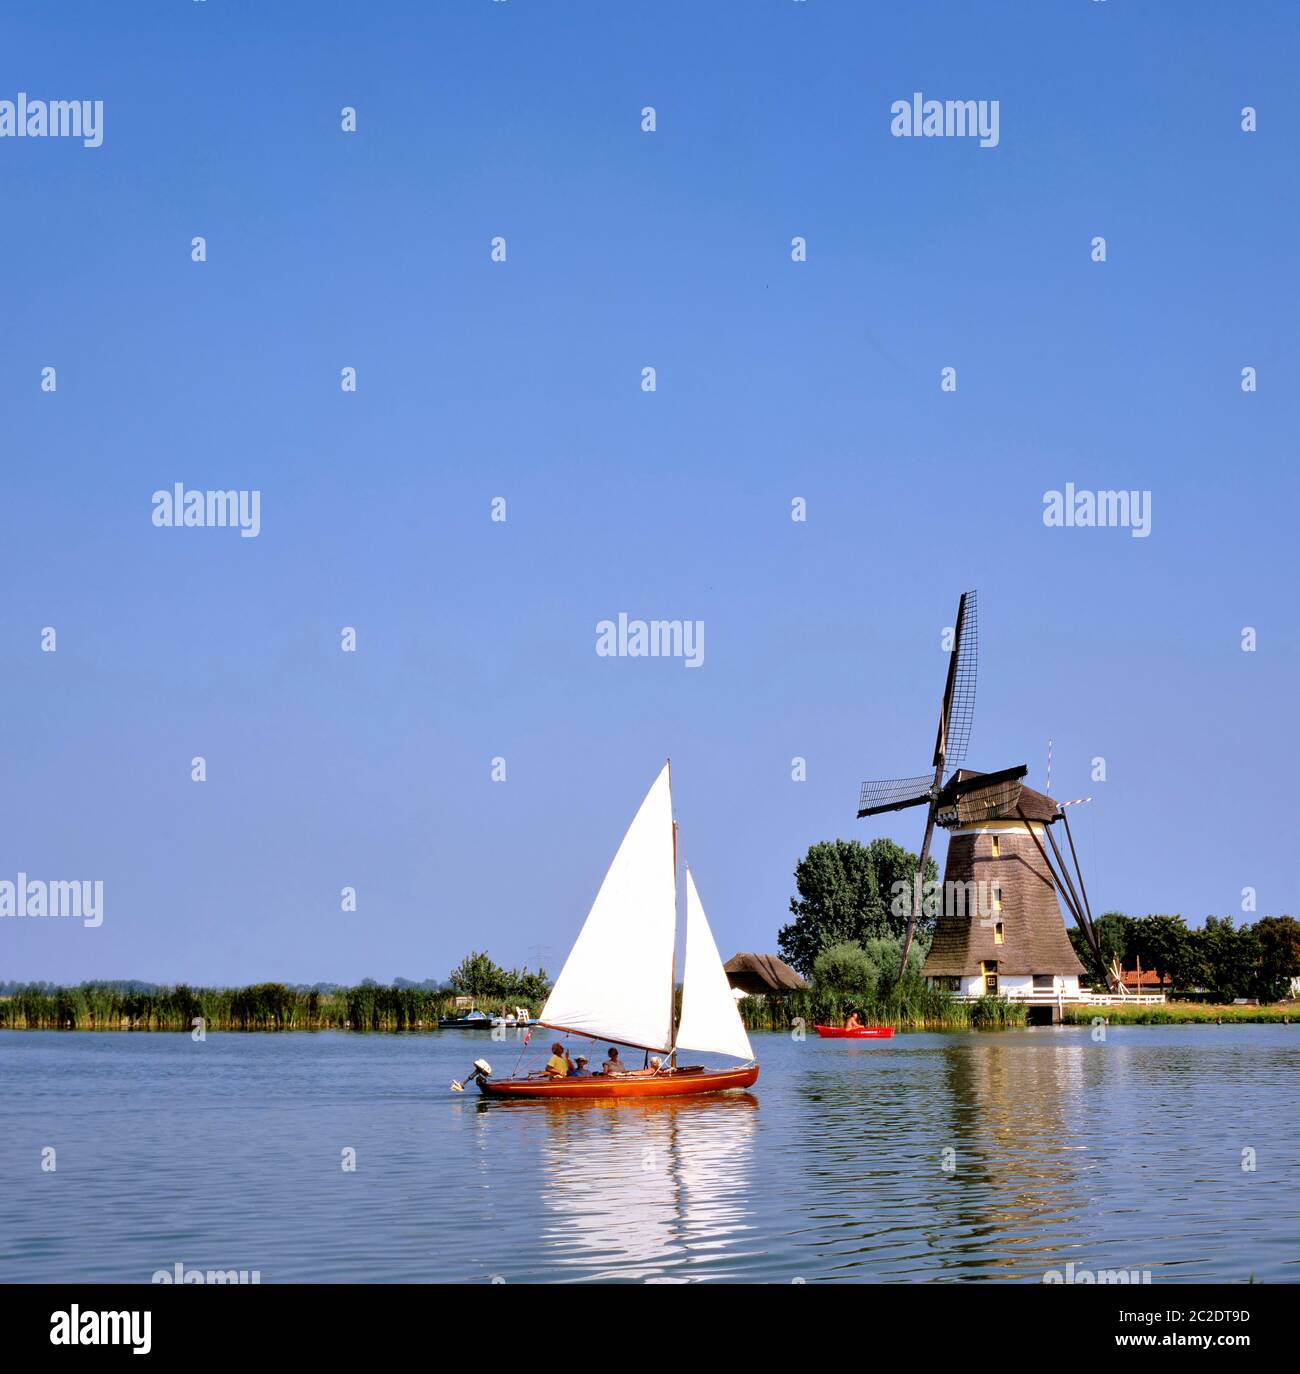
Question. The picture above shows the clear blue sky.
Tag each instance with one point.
(522, 380)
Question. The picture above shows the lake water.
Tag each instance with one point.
(1121, 1155)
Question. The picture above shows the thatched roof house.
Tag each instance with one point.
(760, 975)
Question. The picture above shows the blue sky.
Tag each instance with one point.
(522, 379)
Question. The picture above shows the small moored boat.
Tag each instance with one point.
(477, 1020)
(859, 1033)
(617, 984)
(474, 1020)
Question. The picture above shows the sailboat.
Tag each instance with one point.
(617, 984)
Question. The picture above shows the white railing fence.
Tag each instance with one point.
(1048, 997)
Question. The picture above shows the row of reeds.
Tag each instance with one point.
(910, 1005)
(1181, 1013)
(265, 1006)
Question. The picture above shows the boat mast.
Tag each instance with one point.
(672, 970)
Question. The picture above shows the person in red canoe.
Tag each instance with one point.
(854, 1022)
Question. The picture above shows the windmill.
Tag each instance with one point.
(998, 830)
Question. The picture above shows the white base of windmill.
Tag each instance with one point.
(1027, 987)
(1048, 1002)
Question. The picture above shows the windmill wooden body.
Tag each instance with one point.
(999, 927)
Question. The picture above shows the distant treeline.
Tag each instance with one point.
(128, 1004)
(1220, 959)
(263, 1007)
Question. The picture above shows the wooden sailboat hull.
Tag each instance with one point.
(681, 1084)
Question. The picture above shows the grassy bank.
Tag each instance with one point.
(913, 1007)
(266, 1006)
(1183, 1013)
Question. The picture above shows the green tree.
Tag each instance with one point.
(846, 968)
(1230, 958)
(1111, 930)
(477, 976)
(522, 985)
(848, 892)
(884, 952)
(1164, 943)
(1279, 956)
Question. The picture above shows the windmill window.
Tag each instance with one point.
(997, 932)
(988, 965)
(1044, 982)
(996, 849)
(997, 899)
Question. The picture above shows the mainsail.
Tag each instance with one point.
(710, 1019)
(617, 983)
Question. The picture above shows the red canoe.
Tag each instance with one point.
(862, 1033)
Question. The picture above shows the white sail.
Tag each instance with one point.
(710, 1019)
(617, 983)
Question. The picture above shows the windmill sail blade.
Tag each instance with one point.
(893, 794)
(617, 982)
(958, 711)
(710, 1019)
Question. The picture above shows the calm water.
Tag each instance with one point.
(227, 1155)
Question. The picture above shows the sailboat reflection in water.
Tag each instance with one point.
(617, 984)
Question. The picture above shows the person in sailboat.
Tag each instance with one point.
(558, 1065)
(579, 1069)
(613, 1064)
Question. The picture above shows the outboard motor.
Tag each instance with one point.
(482, 1069)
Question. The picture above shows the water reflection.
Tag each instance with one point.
(1128, 1154)
(1018, 1165)
(656, 1189)
(1056, 1148)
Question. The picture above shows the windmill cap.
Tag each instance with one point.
(995, 796)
